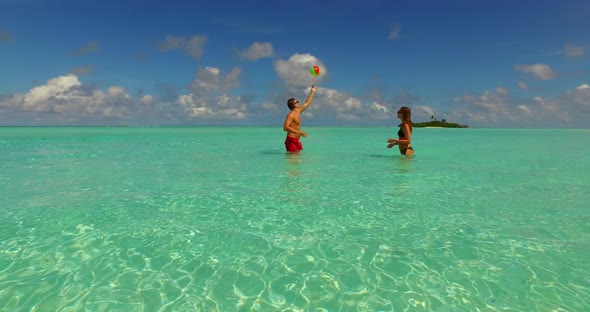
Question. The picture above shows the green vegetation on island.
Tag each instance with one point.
(438, 123)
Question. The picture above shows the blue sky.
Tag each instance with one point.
(481, 63)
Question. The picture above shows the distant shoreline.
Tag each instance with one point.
(438, 124)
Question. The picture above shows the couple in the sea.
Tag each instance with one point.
(293, 127)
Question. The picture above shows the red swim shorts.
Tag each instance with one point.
(293, 144)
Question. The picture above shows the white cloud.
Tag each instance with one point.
(210, 79)
(545, 105)
(352, 103)
(551, 112)
(378, 110)
(573, 51)
(524, 109)
(580, 97)
(222, 106)
(379, 107)
(117, 91)
(486, 108)
(193, 46)
(522, 85)
(330, 103)
(501, 91)
(541, 71)
(339, 101)
(64, 99)
(463, 98)
(57, 88)
(348, 117)
(494, 109)
(269, 106)
(257, 50)
(295, 70)
(147, 99)
(423, 112)
(210, 98)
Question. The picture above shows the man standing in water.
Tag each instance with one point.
(293, 122)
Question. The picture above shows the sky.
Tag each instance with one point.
(486, 64)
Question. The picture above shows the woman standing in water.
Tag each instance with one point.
(404, 133)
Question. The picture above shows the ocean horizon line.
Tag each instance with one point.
(271, 126)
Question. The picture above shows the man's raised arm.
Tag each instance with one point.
(308, 101)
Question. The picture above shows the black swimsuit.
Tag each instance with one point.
(405, 150)
(400, 134)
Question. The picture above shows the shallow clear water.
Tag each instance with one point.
(222, 219)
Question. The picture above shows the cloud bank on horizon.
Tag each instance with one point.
(252, 84)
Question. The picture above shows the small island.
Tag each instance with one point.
(434, 123)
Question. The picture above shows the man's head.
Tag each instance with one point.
(292, 103)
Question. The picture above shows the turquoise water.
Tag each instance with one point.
(222, 219)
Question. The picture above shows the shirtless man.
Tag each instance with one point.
(293, 122)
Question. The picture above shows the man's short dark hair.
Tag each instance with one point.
(291, 103)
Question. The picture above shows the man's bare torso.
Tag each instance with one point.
(295, 124)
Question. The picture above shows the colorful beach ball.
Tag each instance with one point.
(314, 71)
